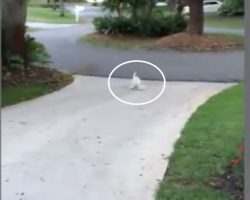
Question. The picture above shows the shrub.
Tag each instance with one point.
(232, 7)
(144, 26)
(36, 52)
(114, 25)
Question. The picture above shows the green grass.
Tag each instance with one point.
(122, 42)
(36, 2)
(15, 94)
(47, 15)
(230, 37)
(216, 21)
(42, 83)
(32, 29)
(213, 20)
(209, 141)
(44, 2)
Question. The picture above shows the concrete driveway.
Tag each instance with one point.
(81, 143)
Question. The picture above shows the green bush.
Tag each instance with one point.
(114, 25)
(153, 26)
(232, 7)
(36, 52)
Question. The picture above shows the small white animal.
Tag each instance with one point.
(136, 82)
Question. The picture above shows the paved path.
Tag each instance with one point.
(67, 53)
(79, 143)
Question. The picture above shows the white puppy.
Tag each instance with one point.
(136, 83)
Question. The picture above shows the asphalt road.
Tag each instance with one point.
(68, 54)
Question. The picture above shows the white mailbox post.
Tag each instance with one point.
(78, 9)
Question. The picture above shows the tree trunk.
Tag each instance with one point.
(61, 8)
(196, 20)
(172, 4)
(48, 3)
(13, 30)
(54, 5)
(117, 7)
(151, 5)
(179, 7)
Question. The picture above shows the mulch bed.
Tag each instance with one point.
(228, 183)
(186, 42)
(35, 74)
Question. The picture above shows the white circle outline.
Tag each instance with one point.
(130, 103)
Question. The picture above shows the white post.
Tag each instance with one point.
(77, 11)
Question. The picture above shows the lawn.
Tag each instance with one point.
(215, 21)
(209, 141)
(47, 15)
(32, 29)
(35, 82)
(230, 37)
(19, 93)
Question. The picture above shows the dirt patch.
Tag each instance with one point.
(187, 42)
(34, 74)
(228, 183)
(119, 41)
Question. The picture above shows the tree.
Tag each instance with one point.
(62, 8)
(54, 5)
(172, 4)
(13, 28)
(151, 5)
(196, 20)
(114, 6)
(133, 8)
(179, 7)
(232, 7)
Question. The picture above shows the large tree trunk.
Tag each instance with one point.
(61, 8)
(151, 5)
(196, 21)
(179, 7)
(117, 8)
(172, 4)
(13, 29)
